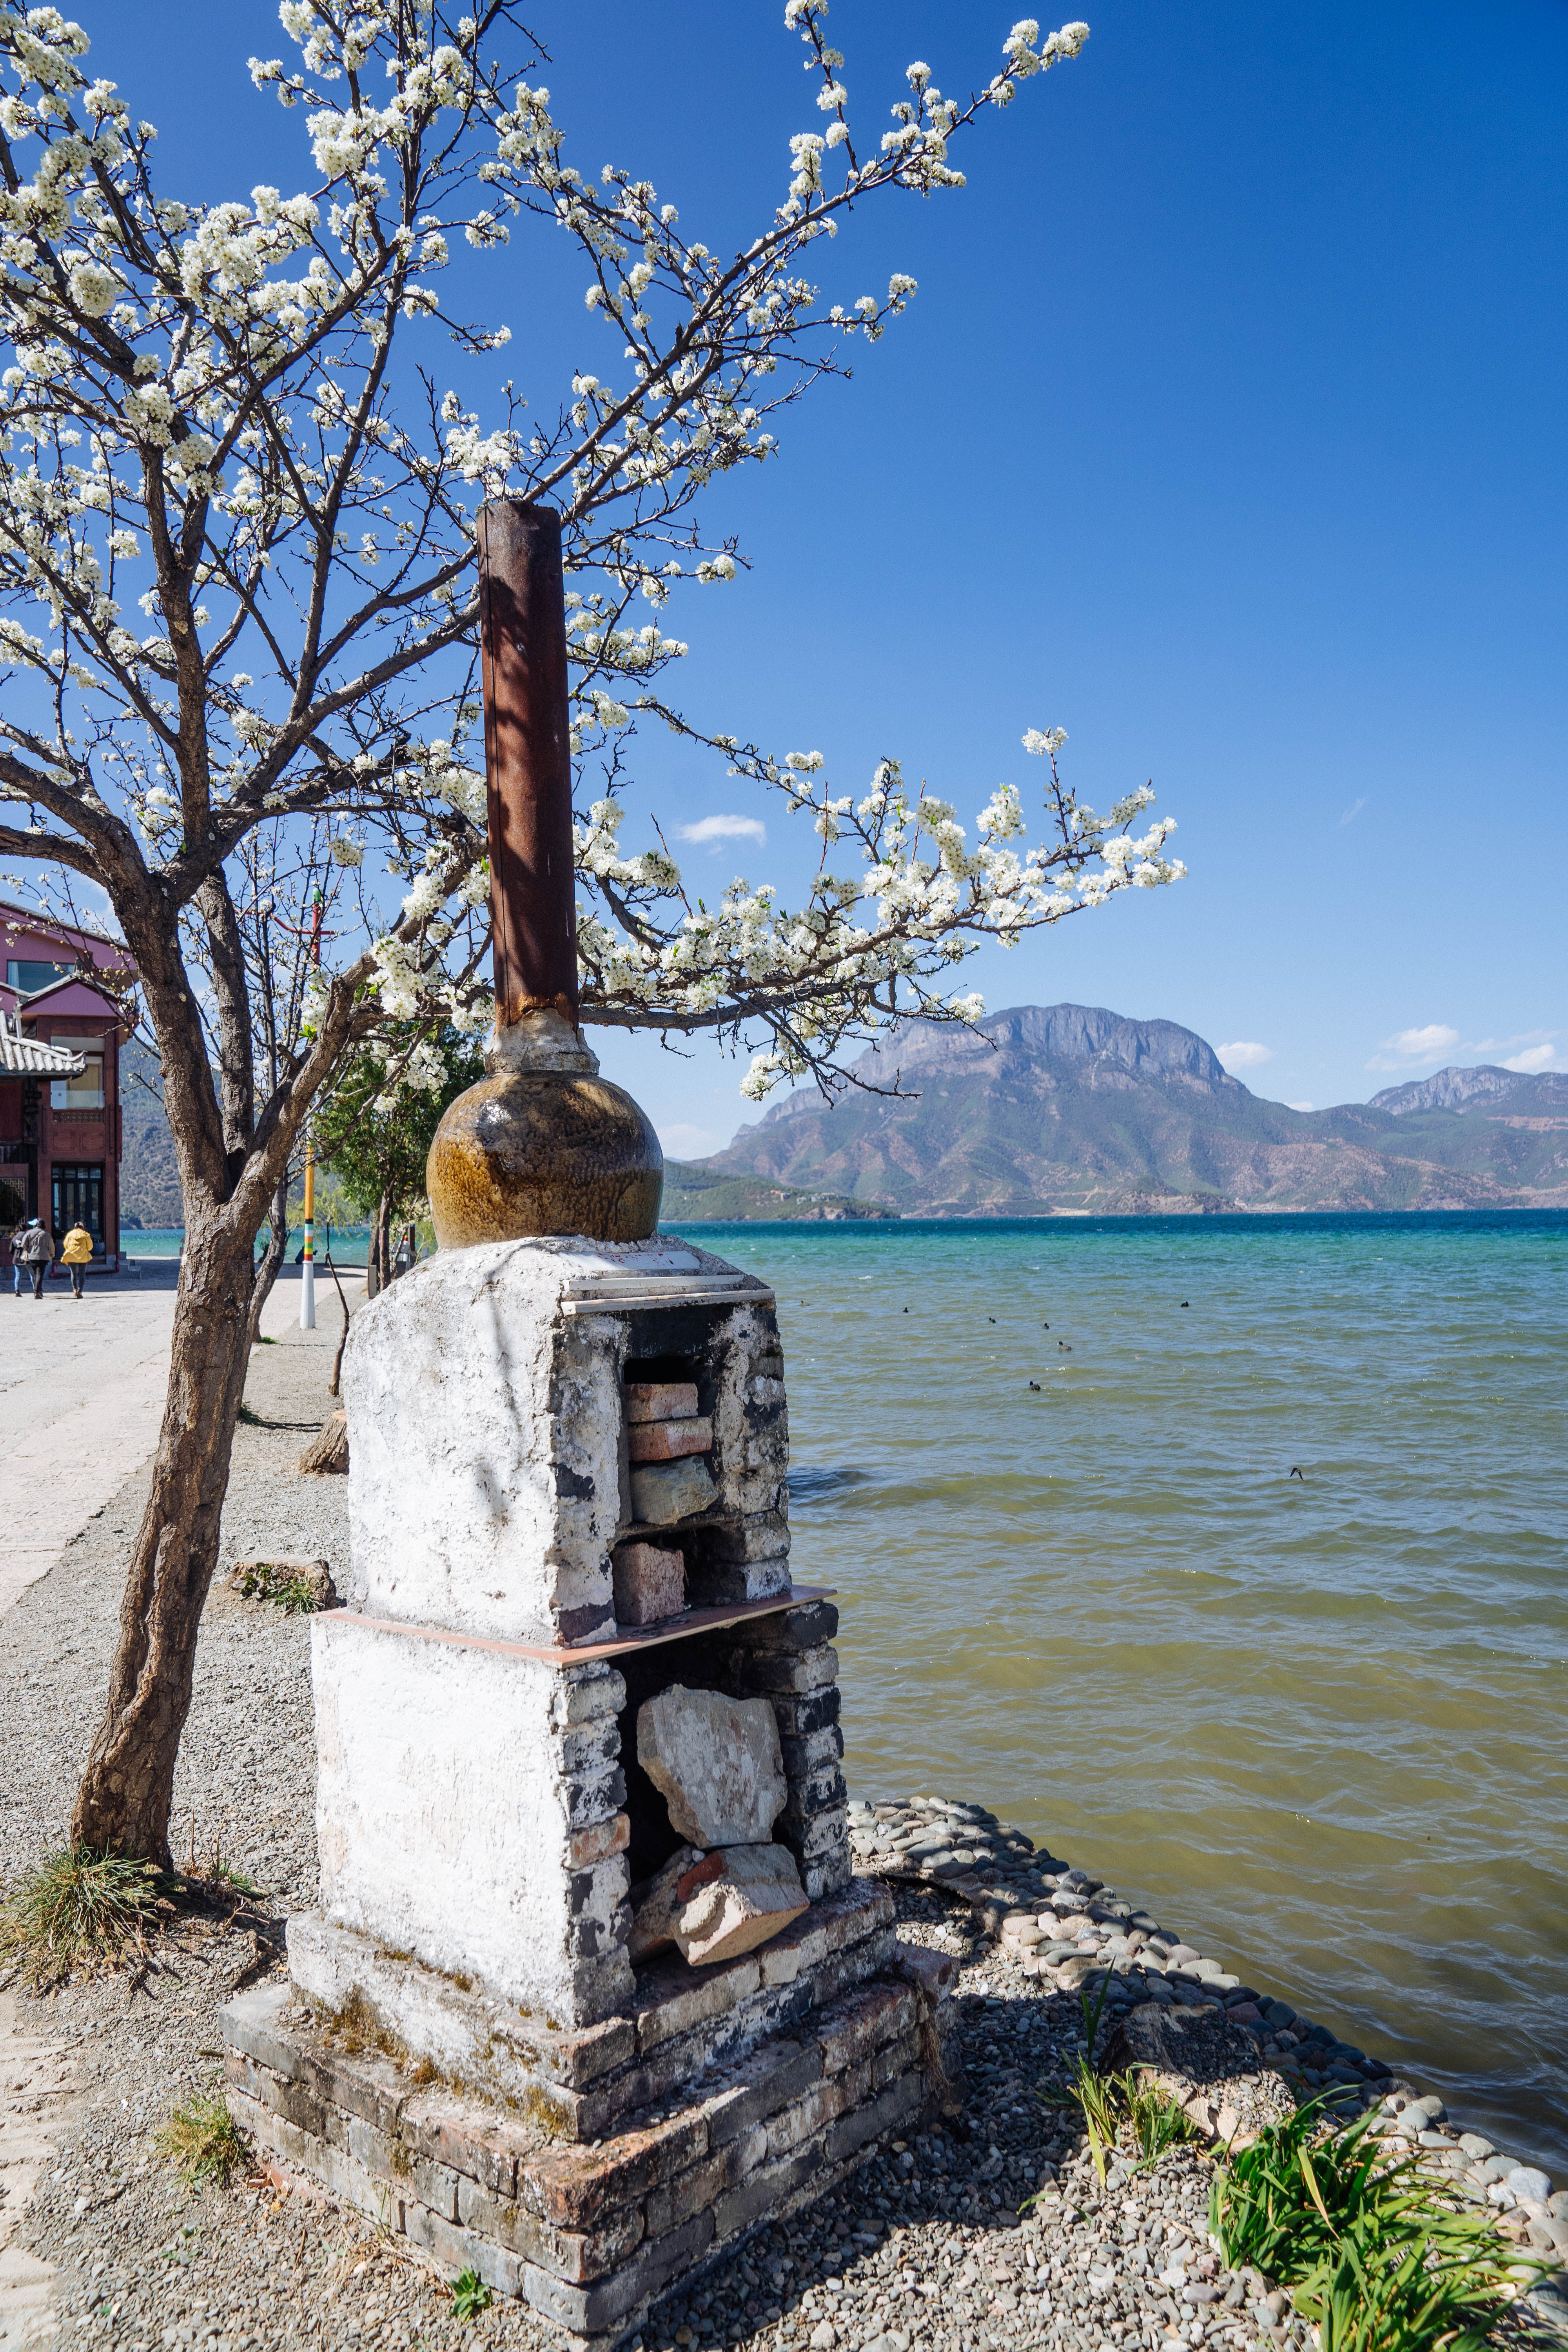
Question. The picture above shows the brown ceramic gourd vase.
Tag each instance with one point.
(544, 1145)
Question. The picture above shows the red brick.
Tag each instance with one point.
(660, 1400)
(667, 1441)
(649, 1583)
(606, 1838)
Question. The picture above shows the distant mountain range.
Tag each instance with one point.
(1066, 1107)
(1069, 1107)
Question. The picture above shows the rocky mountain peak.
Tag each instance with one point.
(1486, 1088)
(1084, 1043)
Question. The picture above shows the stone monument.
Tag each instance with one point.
(591, 1991)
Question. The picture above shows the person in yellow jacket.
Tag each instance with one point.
(76, 1254)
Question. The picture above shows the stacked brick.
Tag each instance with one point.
(790, 1659)
(805, 2058)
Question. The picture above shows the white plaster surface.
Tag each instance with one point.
(485, 1436)
(442, 1810)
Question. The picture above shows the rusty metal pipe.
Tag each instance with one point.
(528, 760)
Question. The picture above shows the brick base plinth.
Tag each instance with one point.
(590, 2235)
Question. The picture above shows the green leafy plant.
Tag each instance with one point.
(79, 1913)
(470, 2295)
(1373, 2253)
(203, 2140)
(251, 1420)
(235, 1879)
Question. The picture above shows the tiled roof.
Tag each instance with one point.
(28, 1057)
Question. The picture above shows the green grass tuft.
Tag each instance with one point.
(204, 2140)
(470, 2295)
(1157, 2121)
(251, 1420)
(295, 1595)
(79, 1913)
(1377, 2256)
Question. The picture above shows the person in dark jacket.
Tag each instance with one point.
(38, 1254)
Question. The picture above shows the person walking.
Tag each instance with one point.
(76, 1253)
(18, 1238)
(38, 1254)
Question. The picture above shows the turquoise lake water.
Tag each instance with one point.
(1317, 1724)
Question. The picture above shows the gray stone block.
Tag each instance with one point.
(664, 1493)
(761, 2085)
(717, 1763)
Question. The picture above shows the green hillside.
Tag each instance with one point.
(694, 1194)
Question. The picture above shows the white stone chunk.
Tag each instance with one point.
(658, 1899)
(717, 1763)
(757, 1896)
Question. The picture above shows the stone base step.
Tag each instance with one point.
(589, 2236)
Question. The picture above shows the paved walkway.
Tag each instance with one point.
(81, 1397)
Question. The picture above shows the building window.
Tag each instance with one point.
(27, 977)
(78, 1201)
(86, 1092)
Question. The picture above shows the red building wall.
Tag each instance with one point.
(64, 1140)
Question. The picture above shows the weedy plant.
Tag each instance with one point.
(203, 2140)
(1373, 2253)
(1157, 2121)
(78, 1914)
(1108, 2102)
(297, 1594)
(470, 2295)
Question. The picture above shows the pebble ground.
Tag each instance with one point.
(924, 2246)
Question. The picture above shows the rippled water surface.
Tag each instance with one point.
(1318, 1723)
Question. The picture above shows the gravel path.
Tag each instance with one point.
(923, 2247)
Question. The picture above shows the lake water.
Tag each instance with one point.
(1317, 1724)
(350, 1244)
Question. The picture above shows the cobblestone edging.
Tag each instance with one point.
(1057, 1922)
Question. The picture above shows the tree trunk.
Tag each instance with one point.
(271, 1257)
(384, 1242)
(127, 1786)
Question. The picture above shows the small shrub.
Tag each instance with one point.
(470, 2295)
(251, 1420)
(78, 1914)
(204, 2140)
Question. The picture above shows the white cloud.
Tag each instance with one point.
(684, 1142)
(716, 829)
(1301, 1106)
(1245, 1057)
(1427, 1044)
(1535, 1057)
(1354, 811)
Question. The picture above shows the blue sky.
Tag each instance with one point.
(1226, 431)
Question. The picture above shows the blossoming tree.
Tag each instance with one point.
(237, 594)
